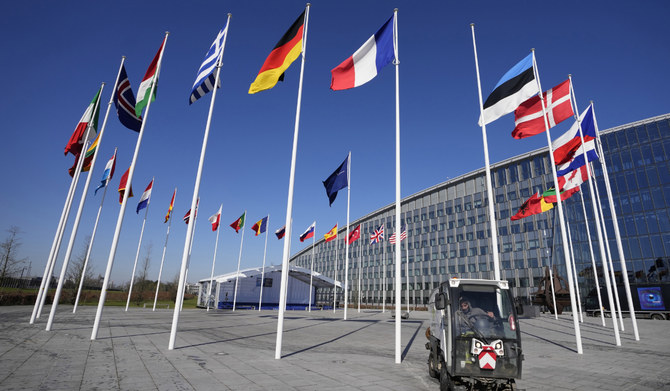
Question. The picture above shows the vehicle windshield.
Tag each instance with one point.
(484, 312)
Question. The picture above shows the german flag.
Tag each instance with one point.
(286, 51)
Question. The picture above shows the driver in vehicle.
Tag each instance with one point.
(469, 314)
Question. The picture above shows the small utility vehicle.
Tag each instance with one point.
(474, 338)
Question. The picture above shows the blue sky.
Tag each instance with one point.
(56, 54)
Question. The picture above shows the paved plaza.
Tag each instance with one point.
(225, 350)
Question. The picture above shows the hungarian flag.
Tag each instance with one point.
(355, 234)
(361, 67)
(550, 195)
(150, 78)
(528, 116)
(286, 51)
(169, 213)
(534, 205)
(145, 198)
(215, 219)
(280, 232)
(90, 117)
(260, 226)
(108, 173)
(332, 234)
(238, 224)
(122, 186)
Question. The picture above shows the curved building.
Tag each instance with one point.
(448, 232)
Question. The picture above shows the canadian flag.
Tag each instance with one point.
(528, 116)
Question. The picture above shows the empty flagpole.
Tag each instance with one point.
(239, 259)
(346, 240)
(489, 186)
(564, 236)
(622, 258)
(603, 257)
(335, 275)
(188, 261)
(50, 260)
(609, 259)
(265, 250)
(137, 253)
(398, 256)
(311, 271)
(360, 260)
(289, 203)
(574, 271)
(196, 190)
(160, 270)
(383, 283)
(593, 258)
(90, 246)
(211, 275)
(407, 281)
(82, 202)
(119, 221)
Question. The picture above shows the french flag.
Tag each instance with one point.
(308, 233)
(144, 200)
(366, 62)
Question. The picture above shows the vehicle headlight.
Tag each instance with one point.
(498, 347)
(476, 346)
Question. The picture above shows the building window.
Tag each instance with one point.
(480, 234)
(431, 215)
(515, 228)
(462, 253)
(468, 206)
(423, 216)
(506, 247)
(440, 212)
(533, 244)
(473, 251)
(433, 228)
(502, 231)
(461, 222)
(443, 226)
(518, 246)
(432, 242)
(471, 220)
(469, 236)
(483, 250)
(458, 208)
(500, 198)
(459, 238)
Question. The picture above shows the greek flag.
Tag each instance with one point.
(204, 82)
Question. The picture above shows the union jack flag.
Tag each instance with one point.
(378, 235)
(403, 235)
(124, 100)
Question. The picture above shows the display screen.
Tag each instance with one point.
(651, 298)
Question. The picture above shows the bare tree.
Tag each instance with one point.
(76, 271)
(9, 263)
(142, 283)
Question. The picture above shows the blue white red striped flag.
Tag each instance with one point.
(124, 100)
(309, 232)
(146, 196)
(108, 173)
(204, 82)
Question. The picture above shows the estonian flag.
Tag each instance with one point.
(514, 88)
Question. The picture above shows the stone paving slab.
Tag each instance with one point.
(228, 350)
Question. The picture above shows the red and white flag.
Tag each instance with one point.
(528, 116)
(573, 179)
(216, 219)
(354, 235)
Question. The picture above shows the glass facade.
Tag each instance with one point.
(448, 230)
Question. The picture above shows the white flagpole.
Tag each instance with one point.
(44, 285)
(289, 203)
(265, 250)
(617, 338)
(90, 247)
(196, 190)
(335, 274)
(489, 186)
(561, 216)
(137, 255)
(211, 275)
(75, 227)
(119, 221)
(622, 258)
(593, 259)
(160, 270)
(398, 265)
(311, 274)
(239, 259)
(346, 241)
(609, 260)
(574, 271)
(384, 282)
(188, 261)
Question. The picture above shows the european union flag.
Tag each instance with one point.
(338, 180)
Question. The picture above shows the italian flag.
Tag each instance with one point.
(76, 141)
(150, 78)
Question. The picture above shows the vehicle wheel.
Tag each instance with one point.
(657, 317)
(445, 380)
(432, 366)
